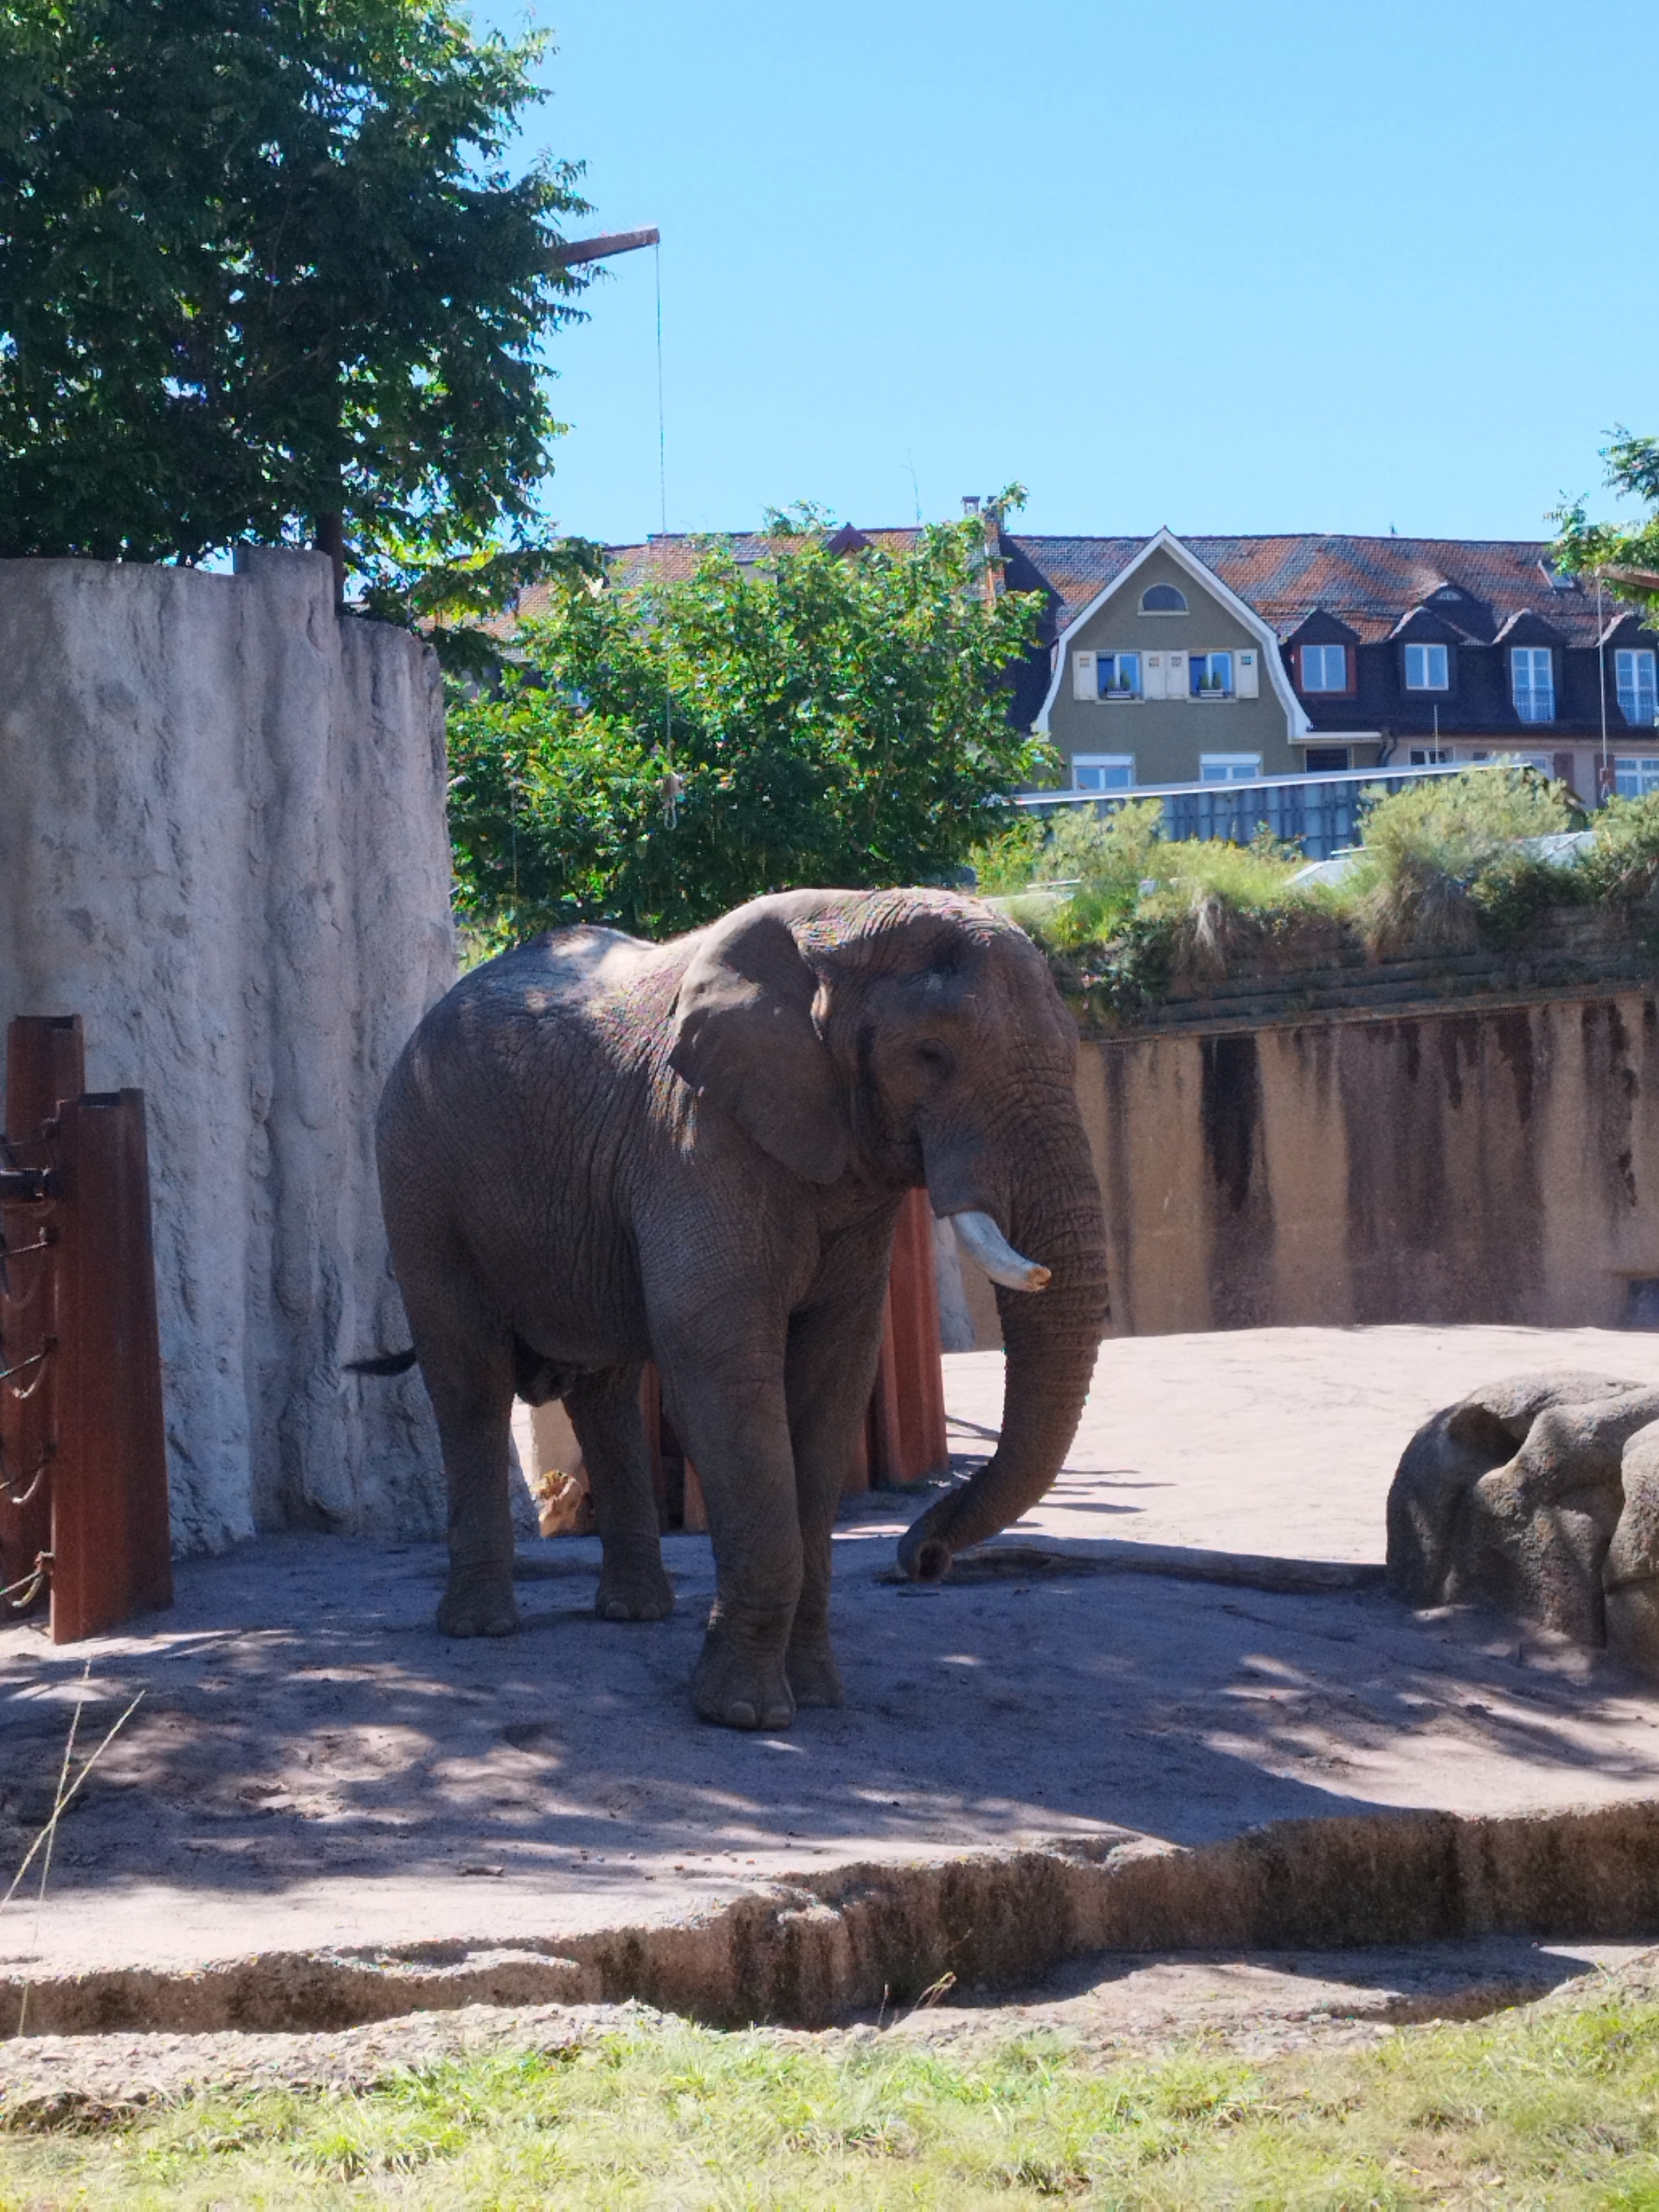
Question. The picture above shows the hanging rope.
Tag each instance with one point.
(662, 420)
(672, 784)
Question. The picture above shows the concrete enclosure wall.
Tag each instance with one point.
(1494, 1166)
(222, 842)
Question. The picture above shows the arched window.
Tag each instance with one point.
(1162, 600)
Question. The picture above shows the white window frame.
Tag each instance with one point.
(1101, 692)
(1221, 653)
(1324, 652)
(1529, 693)
(1430, 757)
(1104, 765)
(1634, 678)
(1635, 774)
(1230, 768)
(1164, 584)
(1426, 681)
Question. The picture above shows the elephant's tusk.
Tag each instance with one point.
(981, 1239)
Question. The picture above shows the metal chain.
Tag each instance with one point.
(31, 1584)
(40, 1359)
(33, 1481)
(9, 1295)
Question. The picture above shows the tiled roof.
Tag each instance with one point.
(1369, 583)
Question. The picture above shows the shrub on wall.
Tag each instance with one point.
(1460, 864)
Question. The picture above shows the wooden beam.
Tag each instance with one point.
(574, 251)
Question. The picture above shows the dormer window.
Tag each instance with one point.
(1638, 698)
(1532, 681)
(1427, 668)
(1324, 667)
(1162, 600)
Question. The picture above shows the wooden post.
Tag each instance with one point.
(907, 1413)
(111, 1552)
(46, 1063)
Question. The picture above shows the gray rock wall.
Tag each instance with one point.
(222, 843)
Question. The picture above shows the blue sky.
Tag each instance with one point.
(1257, 266)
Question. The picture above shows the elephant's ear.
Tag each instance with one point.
(746, 1040)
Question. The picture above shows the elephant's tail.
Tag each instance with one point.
(384, 1363)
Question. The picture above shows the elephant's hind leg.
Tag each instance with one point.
(605, 1411)
(471, 1394)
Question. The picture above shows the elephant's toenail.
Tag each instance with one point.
(741, 1715)
(615, 1610)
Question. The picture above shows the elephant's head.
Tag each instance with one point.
(909, 1037)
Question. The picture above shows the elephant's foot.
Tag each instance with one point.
(635, 1590)
(813, 1674)
(740, 1685)
(479, 1603)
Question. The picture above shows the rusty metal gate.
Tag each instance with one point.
(83, 1489)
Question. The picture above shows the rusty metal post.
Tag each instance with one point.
(111, 1552)
(46, 1063)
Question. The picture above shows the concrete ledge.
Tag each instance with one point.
(800, 1952)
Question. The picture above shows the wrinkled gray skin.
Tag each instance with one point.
(596, 1151)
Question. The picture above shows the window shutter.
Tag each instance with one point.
(1083, 675)
(1247, 673)
(1175, 674)
(1350, 670)
(1151, 675)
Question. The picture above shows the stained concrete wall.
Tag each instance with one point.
(1455, 1166)
(222, 842)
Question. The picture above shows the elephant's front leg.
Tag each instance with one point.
(725, 1398)
(605, 1411)
(833, 1348)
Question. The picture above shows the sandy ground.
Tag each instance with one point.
(311, 1765)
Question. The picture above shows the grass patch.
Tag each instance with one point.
(1556, 2106)
(1445, 867)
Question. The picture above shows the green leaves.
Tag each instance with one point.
(261, 264)
(832, 718)
(1585, 547)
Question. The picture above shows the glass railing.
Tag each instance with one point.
(1321, 813)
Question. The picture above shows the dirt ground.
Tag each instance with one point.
(1105, 2006)
(311, 1765)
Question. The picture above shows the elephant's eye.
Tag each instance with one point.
(936, 1061)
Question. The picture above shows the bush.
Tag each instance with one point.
(1427, 851)
(1444, 866)
(1622, 866)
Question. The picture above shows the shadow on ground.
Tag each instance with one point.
(302, 1719)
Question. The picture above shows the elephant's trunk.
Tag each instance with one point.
(1051, 1340)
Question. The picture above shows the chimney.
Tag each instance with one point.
(970, 502)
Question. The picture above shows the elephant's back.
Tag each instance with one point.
(525, 1039)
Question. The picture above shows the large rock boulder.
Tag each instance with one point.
(1539, 1495)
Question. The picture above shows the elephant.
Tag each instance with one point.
(598, 1151)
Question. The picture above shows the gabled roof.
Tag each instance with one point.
(1368, 583)
(1321, 627)
(1207, 580)
(1526, 627)
(1428, 625)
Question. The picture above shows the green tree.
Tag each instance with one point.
(817, 717)
(1628, 555)
(265, 274)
